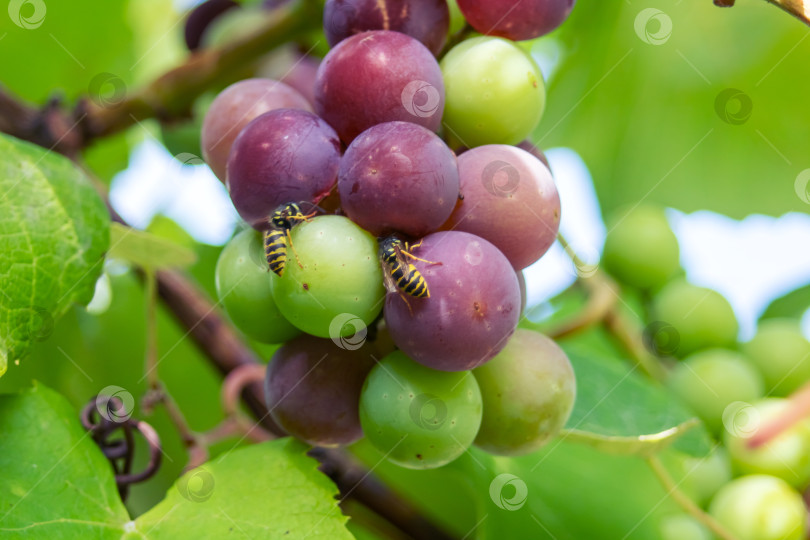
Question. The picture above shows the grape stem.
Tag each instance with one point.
(168, 97)
(602, 308)
(685, 502)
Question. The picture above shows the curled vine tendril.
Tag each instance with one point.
(120, 450)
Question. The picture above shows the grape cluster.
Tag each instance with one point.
(735, 388)
(392, 205)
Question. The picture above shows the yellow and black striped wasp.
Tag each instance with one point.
(400, 273)
(278, 237)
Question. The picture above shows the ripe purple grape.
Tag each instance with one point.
(398, 177)
(474, 304)
(234, 108)
(201, 18)
(531, 148)
(425, 20)
(283, 156)
(375, 77)
(313, 389)
(510, 199)
(517, 21)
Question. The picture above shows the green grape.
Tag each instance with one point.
(787, 456)
(244, 288)
(711, 380)
(494, 92)
(760, 507)
(457, 21)
(640, 249)
(528, 392)
(703, 476)
(337, 289)
(683, 527)
(701, 317)
(782, 354)
(418, 417)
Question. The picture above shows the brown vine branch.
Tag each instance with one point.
(226, 350)
(169, 96)
(797, 8)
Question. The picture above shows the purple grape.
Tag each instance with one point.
(377, 77)
(234, 108)
(526, 19)
(474, 304)
(398, 177)
(510, 199)
(283, 156)
(301, 76)
(201, 18)
(425, 20)
(313, 389)
(531, 148)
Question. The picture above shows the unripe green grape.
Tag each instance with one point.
(683, 527)
(703, 476)
(528, 392)
(782, 354)
(760, 507)
(702, 317)
(339, 277)
(244, 288)
(787, 456)
(418, 417)
(640, 249)
(494, 92)
(711, 380)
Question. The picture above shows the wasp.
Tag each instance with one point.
(278, 237)
(400, 272)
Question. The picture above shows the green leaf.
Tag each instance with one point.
(650, 117)
(147, 250)
(791, 305)
(53, 234)
(568, 489)
(269, 490)
(56, 482)
(624, 412)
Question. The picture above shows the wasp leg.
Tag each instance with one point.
(292, 247)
